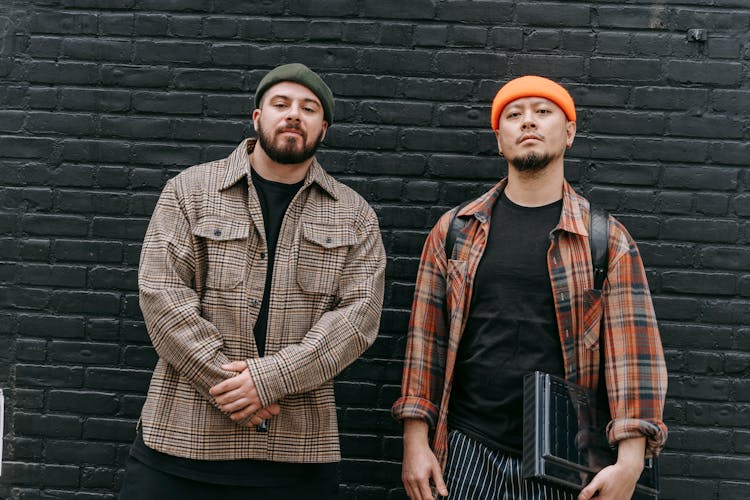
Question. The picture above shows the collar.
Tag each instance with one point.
(571, 217)
(238, 166)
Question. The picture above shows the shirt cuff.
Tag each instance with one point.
(267, 379)
(626, 428)
(415, 407)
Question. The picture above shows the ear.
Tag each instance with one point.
(256, 117)
(570, 132)
(325, 129)
(499, 146)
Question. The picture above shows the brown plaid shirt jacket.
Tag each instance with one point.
(201, 280)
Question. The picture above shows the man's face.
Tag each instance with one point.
(289, 123)
(533, 131)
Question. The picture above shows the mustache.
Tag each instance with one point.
(538, 137)
(288, 128)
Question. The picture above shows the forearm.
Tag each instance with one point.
(630, 454)
(171, 307)
(340, 335)
(329, 347)
(181, 337)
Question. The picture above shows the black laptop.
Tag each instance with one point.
(564, 442)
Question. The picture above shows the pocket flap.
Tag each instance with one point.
(328, 235)
(216, 228)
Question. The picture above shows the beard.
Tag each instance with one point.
(287, 153)
(532, 162)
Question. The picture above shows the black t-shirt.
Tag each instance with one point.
(274, 200)
(511, 329)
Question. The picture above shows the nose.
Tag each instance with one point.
(528, 120)
(293, 112)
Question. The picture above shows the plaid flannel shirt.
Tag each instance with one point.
(635, 371)
(201, 281)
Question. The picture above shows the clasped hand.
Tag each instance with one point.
(238, 397)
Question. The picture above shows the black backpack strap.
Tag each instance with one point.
(454, 227)
(599, 242)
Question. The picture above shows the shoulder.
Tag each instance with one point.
(203, 177)
(621, 243)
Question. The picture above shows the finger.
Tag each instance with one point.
(244, 413)
(273, 408)
(229, 397)
(411, 491)
(268, 412)
(248, 392)
(437, 477)
(228, 385)
(235, 366)
(236, 391)
(235, 406)
(263, 414)
(424, 489)
(588, 492)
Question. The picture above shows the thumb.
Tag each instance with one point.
(234, 366)
(588, 492)
(274, 408)
(437, 476)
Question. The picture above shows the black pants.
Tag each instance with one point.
(144, 483)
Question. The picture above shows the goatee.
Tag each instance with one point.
(288, 154)
(532, 162)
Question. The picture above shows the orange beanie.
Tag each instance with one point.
(531, 86)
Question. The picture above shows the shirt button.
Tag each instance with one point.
(262, 255)
(217, 232)
(328, 239)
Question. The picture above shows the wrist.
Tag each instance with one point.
(631, 467)
(630, 456)
(416, 432)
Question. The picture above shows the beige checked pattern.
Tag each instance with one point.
(201, 280)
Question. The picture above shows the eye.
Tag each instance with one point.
(309, 109)
(543, 111)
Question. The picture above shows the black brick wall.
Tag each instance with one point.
(102, 101)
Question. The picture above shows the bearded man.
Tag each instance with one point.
(261, 278)
(515, 295)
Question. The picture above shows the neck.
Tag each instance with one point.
(277, 172)
(536, 189)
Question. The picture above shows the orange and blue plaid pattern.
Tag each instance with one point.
(622, 313)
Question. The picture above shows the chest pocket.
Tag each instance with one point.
(323, 249)
(226, 250)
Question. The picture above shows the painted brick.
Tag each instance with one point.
(103, 101)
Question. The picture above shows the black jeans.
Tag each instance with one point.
(144, 483)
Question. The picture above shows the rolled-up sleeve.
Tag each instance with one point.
(427, 338)
(636, 372)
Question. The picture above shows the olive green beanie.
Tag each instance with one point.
(298, 73)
